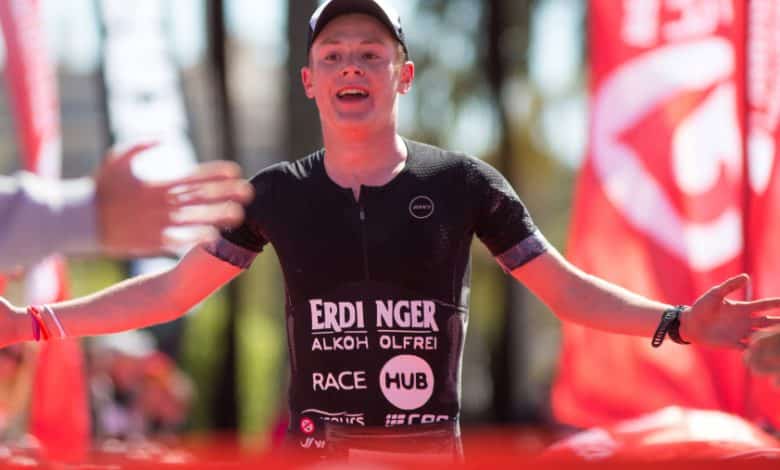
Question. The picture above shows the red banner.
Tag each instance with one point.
(659, 203)
(763, 234)
(59, 415)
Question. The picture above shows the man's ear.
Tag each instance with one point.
(306, 79)
(407, 77)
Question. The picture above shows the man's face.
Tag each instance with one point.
(355, 74)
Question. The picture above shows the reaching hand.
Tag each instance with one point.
(763, 353)
(714, 320)
(133, 214)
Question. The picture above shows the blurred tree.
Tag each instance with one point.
(225, 407)
(303, 127)
(481, 49)
(507, 33)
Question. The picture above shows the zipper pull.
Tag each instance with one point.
(362, 215)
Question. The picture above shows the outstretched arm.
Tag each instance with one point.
(576, 296)
(134, 303)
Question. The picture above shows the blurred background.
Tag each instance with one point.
(500, 79)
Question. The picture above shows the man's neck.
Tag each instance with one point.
(357, 161)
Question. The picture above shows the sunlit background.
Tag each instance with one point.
(529, 120)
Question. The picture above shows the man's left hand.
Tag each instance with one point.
(716, 321)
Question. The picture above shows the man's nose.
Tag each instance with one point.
(351, 68)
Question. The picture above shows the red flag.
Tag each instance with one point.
(659, 202)
(59, 415)
(763, 224)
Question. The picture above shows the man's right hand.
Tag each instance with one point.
(133, 214)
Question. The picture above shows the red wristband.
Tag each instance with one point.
(38, 326)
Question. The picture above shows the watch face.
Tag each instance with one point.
(669, 316)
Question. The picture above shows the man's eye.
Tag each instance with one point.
(332, 57)
(370, 56)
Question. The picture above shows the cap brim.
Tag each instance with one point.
(327, 12)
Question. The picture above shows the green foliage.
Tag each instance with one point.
(262, 348)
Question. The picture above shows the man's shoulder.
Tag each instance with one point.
(303, 168)
(296, 170)
(432, 159)
(429, 161)
(421, 149)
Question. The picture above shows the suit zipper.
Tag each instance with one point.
(362, 215)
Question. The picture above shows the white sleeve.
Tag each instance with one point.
(39, 217)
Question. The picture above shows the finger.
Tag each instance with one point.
(756, 307)
(217, 170)
(208, 193)
(732, 284)
(123, 155)
(228, 214)
(761, 323)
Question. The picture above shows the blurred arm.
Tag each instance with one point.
(39, 217)
(114, 212)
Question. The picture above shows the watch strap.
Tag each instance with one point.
(669, 324)
(674, 328)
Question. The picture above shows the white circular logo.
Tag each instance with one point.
(421, 207)
(406, 381)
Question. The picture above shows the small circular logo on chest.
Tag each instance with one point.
(421, 207)
(307, 426)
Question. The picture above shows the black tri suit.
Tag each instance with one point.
(377, 289)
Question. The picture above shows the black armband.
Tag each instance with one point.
(521, 253)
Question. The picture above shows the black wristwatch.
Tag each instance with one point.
(670, 324)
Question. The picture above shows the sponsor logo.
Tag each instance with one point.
(418, 343)
(340, 343)
(421, 207)
(343, 381)
(307, 426)
(402, 325)
(310, 441)
(336, 316)
(403, 419)
(342, 417)
(406, 381)
(338, 326)
(417, 314)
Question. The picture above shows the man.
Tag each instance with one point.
(113, 212)
(373, 234)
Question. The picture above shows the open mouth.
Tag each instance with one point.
(352, 94)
